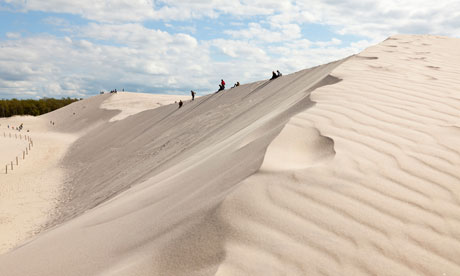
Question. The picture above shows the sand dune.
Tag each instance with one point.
(30, 194)
(349, 168)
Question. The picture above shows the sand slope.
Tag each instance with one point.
(31, 192)
(360, 177)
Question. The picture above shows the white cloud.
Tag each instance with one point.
(142, 58)
(372, 18)
(276, 32)
(240, 49)
(332, 42)
(56, 21)
(379, 19)
(13, 35)
(98, 10)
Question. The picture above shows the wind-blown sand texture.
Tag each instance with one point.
(349, 168)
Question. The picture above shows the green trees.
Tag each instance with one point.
(13, 107)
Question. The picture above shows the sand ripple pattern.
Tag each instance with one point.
(387, 202)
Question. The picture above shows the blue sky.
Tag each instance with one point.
(60, 48)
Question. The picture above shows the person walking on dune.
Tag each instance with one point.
(180, 103)
(193, 94)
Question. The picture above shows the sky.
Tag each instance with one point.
(63, 48)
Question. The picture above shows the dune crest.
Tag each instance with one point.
(130, 103)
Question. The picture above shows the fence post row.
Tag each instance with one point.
(31, 144)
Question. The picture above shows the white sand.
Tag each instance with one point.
(260, 180)
(11, 147)
(31, 192)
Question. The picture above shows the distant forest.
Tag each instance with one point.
(13, 107)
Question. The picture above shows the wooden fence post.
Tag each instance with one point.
(11, 165)
(23, 155)
(6, 169)
(17, 161)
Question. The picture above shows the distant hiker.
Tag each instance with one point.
(180, 103)
(279, 73)
(193, 94)
(237, 83)
(274, 75)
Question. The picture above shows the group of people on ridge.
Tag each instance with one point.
(222, 86)
(19, 128)
(276, 75)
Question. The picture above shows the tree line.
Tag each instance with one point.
(13, 107)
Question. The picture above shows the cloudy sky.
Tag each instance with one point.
(60, 48)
